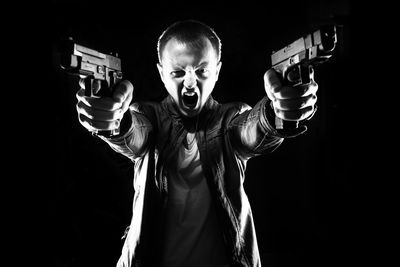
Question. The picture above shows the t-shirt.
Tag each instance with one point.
(193, 235)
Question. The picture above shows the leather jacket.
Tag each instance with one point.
(228, 135)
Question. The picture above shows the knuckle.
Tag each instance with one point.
(266, 75)
(79, 94)
(277, 104)
(126, 86)
(114, 105)
(82, 83)
(79, 107)
(314, 99)
(306, 112)
(115, 115)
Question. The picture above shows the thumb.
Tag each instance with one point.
(122, 91)
(272, 83)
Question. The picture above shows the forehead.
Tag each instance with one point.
(181, 53)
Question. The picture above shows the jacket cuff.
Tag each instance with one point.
(268, 121)
(125, 129)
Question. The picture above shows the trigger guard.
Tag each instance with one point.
(88, 86)
(302, 74)
(293, 75)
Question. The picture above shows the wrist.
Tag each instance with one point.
(277, 124)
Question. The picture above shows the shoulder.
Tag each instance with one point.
(222, 114)
(144, 106)
(148, 109)
(235, 108)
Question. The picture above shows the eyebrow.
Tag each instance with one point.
(202, 64)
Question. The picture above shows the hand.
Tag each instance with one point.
(104, 113)
(291, 103)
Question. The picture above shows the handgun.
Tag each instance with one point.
(295, 61)
(92, 65)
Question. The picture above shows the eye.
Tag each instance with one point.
(177, 73)
(202, 71)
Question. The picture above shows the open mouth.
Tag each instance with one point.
(190, 99)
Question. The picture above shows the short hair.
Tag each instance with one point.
(190, 32)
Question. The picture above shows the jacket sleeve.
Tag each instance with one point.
(136, 129)
(252, 131)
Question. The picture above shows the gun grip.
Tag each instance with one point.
(88, 86)
(295, 75)
(115, 77)
(99, 88)
(96, 88)
(107, 133)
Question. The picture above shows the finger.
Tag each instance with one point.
(294, 115)
(98, 114)
(82, 82)
(294, 75)
(272, 83)
(96, 83)
(287, 92)
(311, 72)
(126, 104)
(94, 125)
(296, 103)
(102, 103)
(123, 91)
(96, 86)
(85, 122)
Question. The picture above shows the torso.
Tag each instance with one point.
(193, 237)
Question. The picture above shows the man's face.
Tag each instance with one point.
(189, 74)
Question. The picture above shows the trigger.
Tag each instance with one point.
(88, 86)
(92, 86)
(96, 86)
(294, 75)
(300, 74)
(306, 72)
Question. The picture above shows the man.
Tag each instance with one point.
(190, 154)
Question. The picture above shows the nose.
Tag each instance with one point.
(190, 80)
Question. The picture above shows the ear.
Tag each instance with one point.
(160, 71)
(218, 69)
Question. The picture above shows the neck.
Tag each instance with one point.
(191, 124)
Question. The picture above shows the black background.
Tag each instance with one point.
(302, 195)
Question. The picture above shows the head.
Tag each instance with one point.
(189, 55)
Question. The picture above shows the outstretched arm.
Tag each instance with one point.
(253, 131)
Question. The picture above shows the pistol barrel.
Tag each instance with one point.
(319, 43)
(81, 60)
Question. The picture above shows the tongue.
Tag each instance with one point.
(190, 101)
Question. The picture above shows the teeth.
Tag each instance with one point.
(189, 93)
